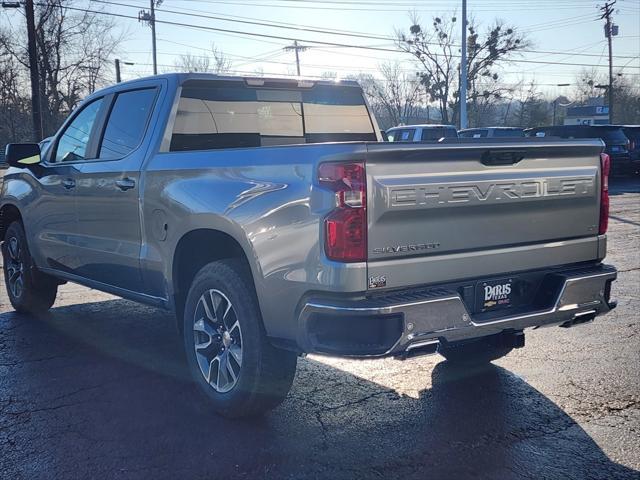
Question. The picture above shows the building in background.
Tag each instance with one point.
(587, 115)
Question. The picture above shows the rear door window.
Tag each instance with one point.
(127, 123)
(436, 133)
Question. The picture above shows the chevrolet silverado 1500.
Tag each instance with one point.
(270, 218)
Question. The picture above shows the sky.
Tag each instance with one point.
(560, 31)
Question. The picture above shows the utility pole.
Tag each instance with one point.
(150, 18)
(36, 113)
(462, 97)
(297, 48)
(610, 30)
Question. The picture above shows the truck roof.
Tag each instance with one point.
(493, 128)
(421, 125)
(183, 77)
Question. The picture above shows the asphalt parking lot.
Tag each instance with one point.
(96, 389)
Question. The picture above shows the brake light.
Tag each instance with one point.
(346, 225)
(605, 162)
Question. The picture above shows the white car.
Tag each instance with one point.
(421, 133)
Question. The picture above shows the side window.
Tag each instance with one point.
(72, 145)
(407, 135)
(127, 122)
(434, 134)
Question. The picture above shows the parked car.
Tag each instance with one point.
(491, 132)
(615, 141)
(421, 133)
(632, 132)
(233, 203)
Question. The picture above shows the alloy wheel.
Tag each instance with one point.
(217, 340)
(15, 267)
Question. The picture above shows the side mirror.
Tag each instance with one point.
(22, 155)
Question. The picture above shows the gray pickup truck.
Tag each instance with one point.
(270, 218)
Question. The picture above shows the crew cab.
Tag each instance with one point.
(271, 219)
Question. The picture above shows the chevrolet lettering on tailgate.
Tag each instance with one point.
(490, 192)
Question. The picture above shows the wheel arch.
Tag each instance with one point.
(9, 213)
(194, 250)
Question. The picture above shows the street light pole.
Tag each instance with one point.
(555, 102)
(462, 98)
(118, 62)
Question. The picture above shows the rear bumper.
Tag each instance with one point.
(408, 322)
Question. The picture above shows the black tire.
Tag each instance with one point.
(265, 374)
(29, 290)
(476, 352)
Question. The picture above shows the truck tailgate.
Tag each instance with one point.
(463, 210)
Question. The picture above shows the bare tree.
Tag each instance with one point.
(192, 63)
(437, 55)
(531, 109)
(216, 63)
(586, 90)
(395, 97)
(591, 89)
(73, 51)
(626, 100)
(14, 104)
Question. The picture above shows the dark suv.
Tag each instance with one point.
(632, 132)
(616, 142)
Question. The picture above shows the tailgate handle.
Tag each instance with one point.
(502, 157)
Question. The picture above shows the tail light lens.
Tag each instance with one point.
(346, 225)
(605, 162)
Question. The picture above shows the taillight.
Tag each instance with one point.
(605, 162)
(346, 225)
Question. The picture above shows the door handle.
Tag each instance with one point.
(125, 184)
(69, 183)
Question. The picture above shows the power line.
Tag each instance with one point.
(259, 22)
(291, 39)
